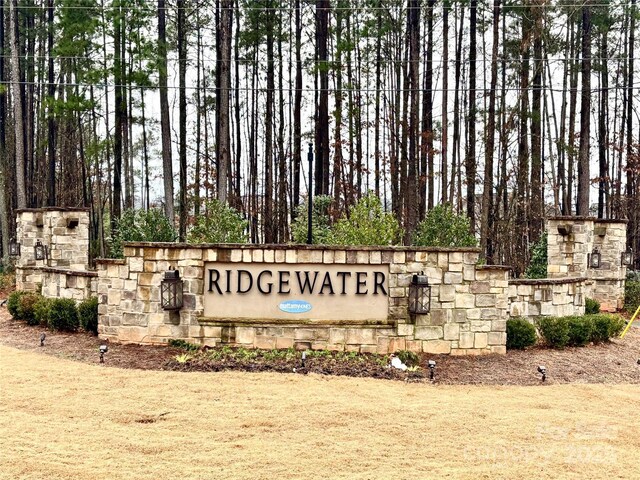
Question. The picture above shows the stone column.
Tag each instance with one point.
(607, 286)
(569, 242)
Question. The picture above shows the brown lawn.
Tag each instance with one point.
(61, 419)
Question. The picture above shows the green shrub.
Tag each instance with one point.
(410, 359)
(220, 224)
(606, 327)
(520, 334)
(367, 224)
(554, 330)
(442, 227)
(88, 315)
(13, 303)
(538, 266)
(63, 314)
(141, 226)
(41, 311)
(320, 221)
(183, 345)
(591, 306)
(580, 330)
(26, 307)
(631, 296)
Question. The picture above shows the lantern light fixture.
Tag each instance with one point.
(41, 251)
(627, 257)
(14, 248)
(419, 295)
(595, 258)
(171, 290)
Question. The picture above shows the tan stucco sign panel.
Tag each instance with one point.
(296, 291)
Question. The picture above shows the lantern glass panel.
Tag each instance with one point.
(171, 294)
(419, 298)
(40, 251)
(14, 249)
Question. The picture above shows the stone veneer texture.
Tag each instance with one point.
(65, 231)
(570, 242)
(468, 303)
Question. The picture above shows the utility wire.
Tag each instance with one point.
(346, 90)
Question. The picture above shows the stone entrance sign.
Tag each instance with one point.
(291, 293)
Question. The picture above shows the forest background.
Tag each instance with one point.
(507, 111)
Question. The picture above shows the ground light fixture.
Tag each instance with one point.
(595, 258)
(14, 248)
(171, 290)
(40, 251)
(42, 337)
(432, 368)
(103, 349)
(627, 257)
(542, 371)
(304, 359)
(419, 295)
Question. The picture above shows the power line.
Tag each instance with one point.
(333, 62)
(350, 8)
(345, 90)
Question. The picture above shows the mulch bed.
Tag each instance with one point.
(613, 362)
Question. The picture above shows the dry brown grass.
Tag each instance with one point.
(67, 420)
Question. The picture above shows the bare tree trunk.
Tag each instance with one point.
(182, 107)
(297, 128)
(486, 224)
(470, 161)
(412, 194)
(536, 217)
(268, 220)
(18, 117)
(444, 164)
(167, 165)
(223, 145)
(585, 115)
(603, 134)
(322, 114)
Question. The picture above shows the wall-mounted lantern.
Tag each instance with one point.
(419, 295)
(594, 258)
(171, 290)
(627, 257)
(14, 248)
(40, 251)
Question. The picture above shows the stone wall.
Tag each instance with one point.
(63, 283)
(65, 232)
(571, 240)
(535, 298)
(468, 303)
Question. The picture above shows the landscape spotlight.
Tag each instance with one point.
(103, 349)
(42, 337)
(304, 359)
(542, 370)
(14, 248)
(627, 257)
(594, 258)
(432, 367)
